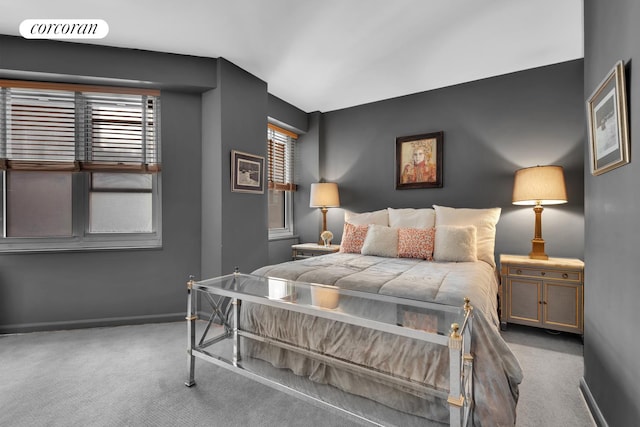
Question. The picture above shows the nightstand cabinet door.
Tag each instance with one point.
(543, 293)
(525, 301)
(562, 306)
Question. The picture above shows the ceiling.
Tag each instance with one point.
(323, 55)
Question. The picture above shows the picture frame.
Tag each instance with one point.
(419, 161)
(247, 173)
(607, 120)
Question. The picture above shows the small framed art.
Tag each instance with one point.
(607, 119)
(419, 161)
(247, 173)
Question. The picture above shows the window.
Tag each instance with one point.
(281, 150)
(80, 167)
(121, 203)
(39, 204)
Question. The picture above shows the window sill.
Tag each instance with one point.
(78, 246)
(277, 237)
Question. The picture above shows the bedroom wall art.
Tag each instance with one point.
(608, 128)
(419, 161)
(247, 173)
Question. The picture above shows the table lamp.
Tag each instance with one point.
(324, 195)
(537, 186)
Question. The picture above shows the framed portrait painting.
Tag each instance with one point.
(419, 161)
(608, 127)
(247, 173)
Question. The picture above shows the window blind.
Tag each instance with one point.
(37, 129)
(121, 132)
(281, 152)
(51, 126)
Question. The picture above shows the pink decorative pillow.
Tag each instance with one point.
(353, 238)
(416, 243)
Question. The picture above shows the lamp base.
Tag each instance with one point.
(324, 223)
(537, 249)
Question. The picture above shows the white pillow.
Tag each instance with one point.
(455, 243)
(412, 218)
(381, 241)
(380, 217)
(485, 221)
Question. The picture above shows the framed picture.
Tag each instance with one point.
(608, 128)
(419, 161)
(247, 173)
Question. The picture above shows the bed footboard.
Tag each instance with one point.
(222, 335)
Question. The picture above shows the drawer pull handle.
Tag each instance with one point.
(518, 271)
(565, 276)
(542, 273)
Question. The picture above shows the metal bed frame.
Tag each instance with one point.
(225, 294)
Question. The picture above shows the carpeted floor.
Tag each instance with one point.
(134, 376)
(553, 365)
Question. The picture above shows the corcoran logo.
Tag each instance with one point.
(64, 29)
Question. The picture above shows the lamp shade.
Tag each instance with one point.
(324, 195)
(542, 185)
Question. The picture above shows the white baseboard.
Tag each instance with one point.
(90, 323)
(592, 405)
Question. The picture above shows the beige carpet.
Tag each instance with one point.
(134, 376)
(553, 365)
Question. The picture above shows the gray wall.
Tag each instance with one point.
(73, 289)
(243, 126)
(84, 63)
(612, 209)
(284, 114)
(491, 128)
(234, 224)
(308, 220)
(209, 107)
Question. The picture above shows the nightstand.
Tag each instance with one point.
(306, 250)
(542, 293)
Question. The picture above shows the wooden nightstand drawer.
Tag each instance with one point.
(575, 276)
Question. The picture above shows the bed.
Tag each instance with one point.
(378, 261)
(436, 256)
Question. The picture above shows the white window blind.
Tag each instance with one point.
(38, 129)
(281, 151)
(121, 132)
(50, 126)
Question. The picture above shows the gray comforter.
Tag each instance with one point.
(496, 370)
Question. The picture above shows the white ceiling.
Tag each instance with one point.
(323, 55)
